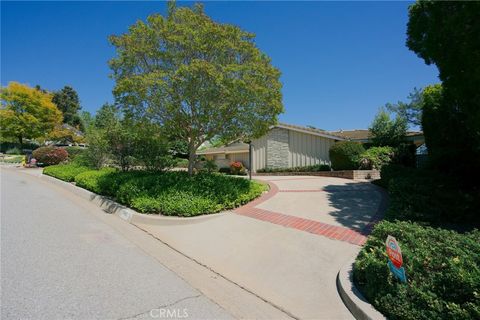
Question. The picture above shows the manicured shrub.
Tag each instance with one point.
(427, 196)
(47, 156)
(65, 172)
(376, 157)
(441, 268)
(344, 155)
(90, 179)
(171, 193)
(312, 168)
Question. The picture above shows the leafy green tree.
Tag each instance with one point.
(386, 131)
(87, 119)
(68, 102)
(447, 34)
(411, 111)
(27, 112)
(196, 78)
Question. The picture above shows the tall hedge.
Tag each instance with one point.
(345, 155)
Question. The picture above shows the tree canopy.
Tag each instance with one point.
(411, 111)
(196, 78)
(27, 113)
(68, 102)
(447, 34)
(386, 131)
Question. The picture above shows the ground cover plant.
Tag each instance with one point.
(65, 172)
(442, 269)
(168, 193)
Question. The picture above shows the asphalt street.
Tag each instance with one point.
(60, 262)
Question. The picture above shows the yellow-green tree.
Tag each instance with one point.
(27, 113)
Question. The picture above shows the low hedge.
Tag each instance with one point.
(168, 193)
(65, 172)
(312, 168)
(345, 155)
(442, 268)
(427, 196)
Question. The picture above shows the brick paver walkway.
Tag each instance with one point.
(315, 227)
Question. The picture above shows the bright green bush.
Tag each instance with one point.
(90, 179)
(345, 155)
(171, 193)
(442, 269)
(376, 157)
(312, 168)
(65, 172)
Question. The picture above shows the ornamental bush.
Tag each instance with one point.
(168, 193)
(428, 196)
(345, 155)
(65, 172)
(237, 168)
(442, 268)
(90, 179)
(47, 156)
(375, 158)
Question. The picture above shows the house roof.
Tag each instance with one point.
(363, 134)
(315, 131)
(237, 147)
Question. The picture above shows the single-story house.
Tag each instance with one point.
(284, 146)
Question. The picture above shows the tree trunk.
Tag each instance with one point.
(191, 161)
(20, 139)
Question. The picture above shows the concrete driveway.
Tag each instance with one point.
(285, 247)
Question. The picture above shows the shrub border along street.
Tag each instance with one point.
(168, 193)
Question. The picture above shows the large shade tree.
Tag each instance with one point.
(27, 113)
(196, 78)
(447, 34)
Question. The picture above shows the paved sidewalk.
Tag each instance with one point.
(288, 246)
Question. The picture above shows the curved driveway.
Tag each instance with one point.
(287, 246)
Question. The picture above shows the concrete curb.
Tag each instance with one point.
(124, 212)
(352, 298)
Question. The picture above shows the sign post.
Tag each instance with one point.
(395, 259)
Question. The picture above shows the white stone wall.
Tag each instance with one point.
(278, 148)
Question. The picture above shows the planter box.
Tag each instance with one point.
(346, 174)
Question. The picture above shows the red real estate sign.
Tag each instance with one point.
(393, 251)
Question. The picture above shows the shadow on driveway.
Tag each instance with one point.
(356, 204)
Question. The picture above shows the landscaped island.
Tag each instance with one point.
(172, 193)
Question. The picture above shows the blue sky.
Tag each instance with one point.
(340, 61)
